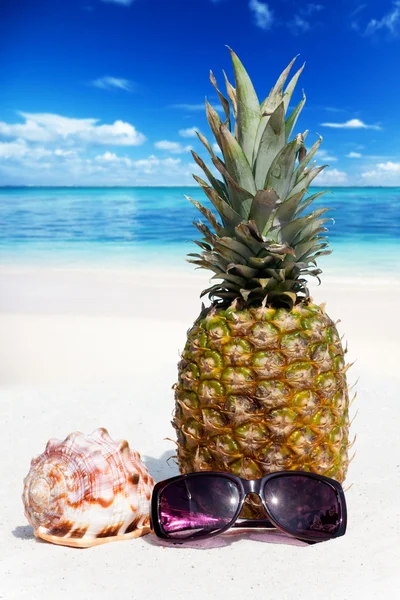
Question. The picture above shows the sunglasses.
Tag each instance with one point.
(304, 505)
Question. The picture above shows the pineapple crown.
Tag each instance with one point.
(263, 248)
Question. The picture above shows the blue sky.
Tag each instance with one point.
(109, 92)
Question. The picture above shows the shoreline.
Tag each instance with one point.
(179, 273)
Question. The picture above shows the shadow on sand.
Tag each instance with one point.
(23, 532)
(227, 539)
(163, 467)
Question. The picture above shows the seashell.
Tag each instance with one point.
(88, 490)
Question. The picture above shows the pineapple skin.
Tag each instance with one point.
(263, 390)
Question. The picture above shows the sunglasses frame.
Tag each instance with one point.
(245, 487)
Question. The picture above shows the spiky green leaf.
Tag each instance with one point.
(260, 263)
(239, 197)
(218, 185)
(307, 201)
(286, 210)
(235, 247)
(312, 227)
(273, 100)
(307, 178)
(213, 120)
(272, 141)
(291, 121)
(275, 95)
(248, 108)
(239, 281)
(231, 91)
(207, 214)
(298, 173)
(262, 207)
(291, 86)
(244, 234)
(293, 229)
(229, 216)
(205, 143)
(278, 177)
(242, 270)
(224, 101)
(209, 236)
(235, 161)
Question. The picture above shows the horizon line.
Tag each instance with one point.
(29, 186)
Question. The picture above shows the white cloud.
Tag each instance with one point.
(60, 152)
(298, 25)
(357, 10)
(111, 157)
(351, 124)
(152, 163)
(324, 155)
(301, 22)
(353, 155)
(389, 166)
(262, 14)
(390, 21)
(311, 8)
(189, 133)
(122, 2)
(22, 164)
(15, 149)
(107, 156)
(49, 149)
(174, 147)
(119, 133)
(46, 127)
(370, 174)
(109, 83)
(19, 148)
(331, 177)
(30, 130)
(387, 173)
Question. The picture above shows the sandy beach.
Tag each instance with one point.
(254, 138)
(86, 348)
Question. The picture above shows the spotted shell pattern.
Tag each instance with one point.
(88, 490)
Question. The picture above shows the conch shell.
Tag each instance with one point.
(88, 490)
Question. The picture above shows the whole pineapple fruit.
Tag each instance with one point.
(262, 379)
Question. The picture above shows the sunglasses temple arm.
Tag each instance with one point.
(265, 523)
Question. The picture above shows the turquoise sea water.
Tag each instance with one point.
(109, 227)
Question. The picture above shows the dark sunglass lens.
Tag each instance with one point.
(196, 506)
(303, 506)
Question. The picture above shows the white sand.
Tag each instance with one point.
(82, 349)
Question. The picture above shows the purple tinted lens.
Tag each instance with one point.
(196, 506)
(303, 505)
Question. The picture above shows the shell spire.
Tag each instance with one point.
(88, 490)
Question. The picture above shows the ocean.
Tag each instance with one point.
(125, 227)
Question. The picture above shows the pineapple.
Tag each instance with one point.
(262, 379)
